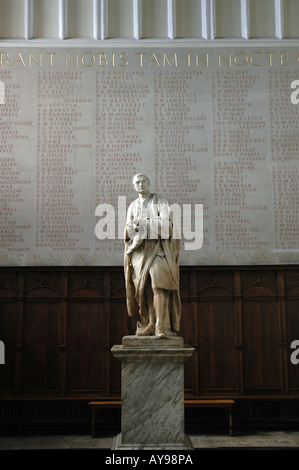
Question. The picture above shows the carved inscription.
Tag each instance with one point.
(210, 126)
(285, 161)
(14, 177)
(63, 146)
(239, 158)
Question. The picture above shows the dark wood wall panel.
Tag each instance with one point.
(40, 361)
(85, 357)
(261, 347)
(292, 332)
(8, 334)
(59, 325)
(217, 355)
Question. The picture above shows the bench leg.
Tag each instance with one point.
(230, 418)
(229, 414)
(93, 422)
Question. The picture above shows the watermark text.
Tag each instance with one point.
(295, 354)
(181, 222)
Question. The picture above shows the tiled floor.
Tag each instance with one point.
(273, 439)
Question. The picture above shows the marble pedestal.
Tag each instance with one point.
(152, 412)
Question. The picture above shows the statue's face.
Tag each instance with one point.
(141, 184)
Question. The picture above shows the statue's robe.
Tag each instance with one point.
(152, 257)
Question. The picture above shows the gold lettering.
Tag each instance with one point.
(251, 59)
(36, 258)
(3, 258)
(66, 258)
(125, 60)
(153, 59)
(51, 57)
(228, 62)
(270, 57)
(102, 58)
(5, 60)
(189, 59)
(74, 61)
(31, 56)
(263, 255)
(165, 59)
(19, 257)
(141, 58)
(205, 62)
(293, 255)
(19, 58)
(236, 256)
(244, 56)
(93, 59)
(220, 256)
(190, 256)
(52, 258)
(106, 256)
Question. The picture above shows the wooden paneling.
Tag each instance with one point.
(261, 347)
(216, 332)
(292, 326)
(40, 360)
(59, 325)
(7, 334)
(85, 357)
(217, 355)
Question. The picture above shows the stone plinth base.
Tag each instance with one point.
(152, 412)
(117, 444)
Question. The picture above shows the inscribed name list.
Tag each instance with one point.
(212, 127)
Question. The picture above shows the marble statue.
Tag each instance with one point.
(151, 263)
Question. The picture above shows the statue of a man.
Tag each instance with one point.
(151, 263)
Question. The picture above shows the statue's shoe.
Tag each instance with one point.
(148, 330)
(160, 333)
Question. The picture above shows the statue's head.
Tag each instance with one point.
(141, 183)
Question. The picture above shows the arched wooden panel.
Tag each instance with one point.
(217, 354)
(261, 346)
(86, 354)
(40, 353)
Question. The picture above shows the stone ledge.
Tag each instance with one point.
(152, 354)
(152, 342)
(186, 445)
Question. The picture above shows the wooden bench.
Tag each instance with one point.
(100, 404)
(226, 405)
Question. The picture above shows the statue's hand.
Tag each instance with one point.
(137, 229)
